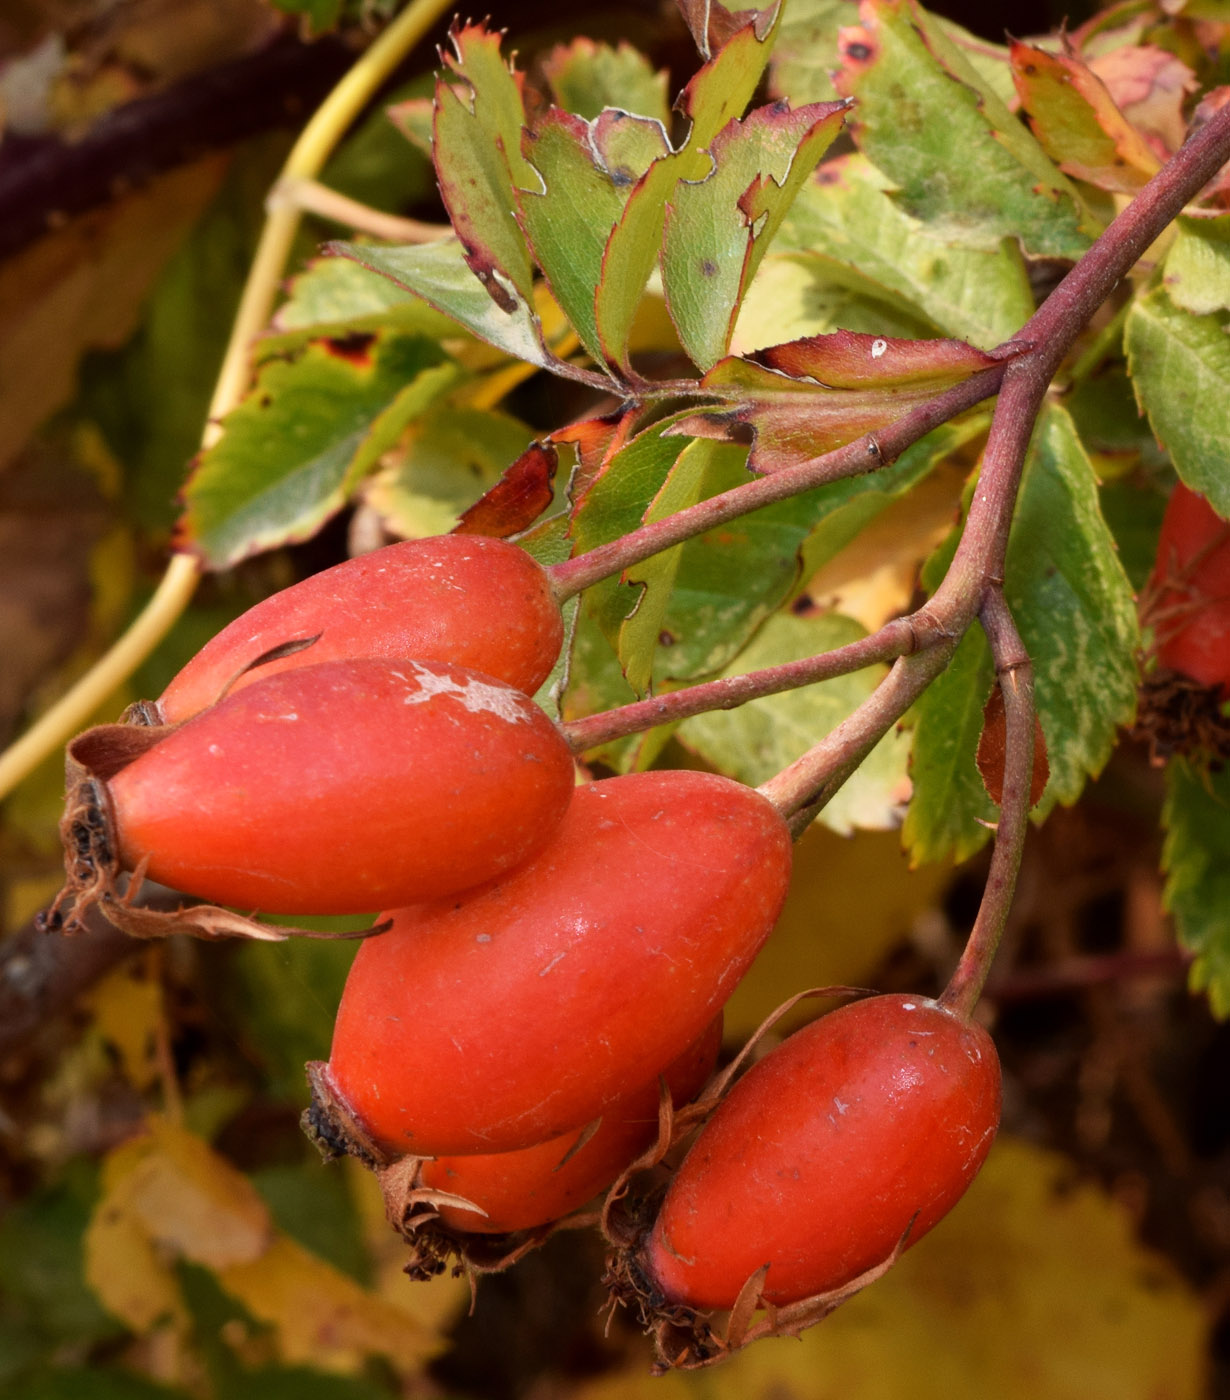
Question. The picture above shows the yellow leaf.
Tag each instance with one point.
(322, 1317)
(127, 1006)
(185, 1198)
(127, 1273)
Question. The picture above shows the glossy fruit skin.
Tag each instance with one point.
(867, 1123)
(498, 1021)
(344, 787)
(1191, 591)
(464, 599)
(536, 1185)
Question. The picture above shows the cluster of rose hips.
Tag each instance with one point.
(548, 978)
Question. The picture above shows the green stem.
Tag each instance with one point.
(314, 146)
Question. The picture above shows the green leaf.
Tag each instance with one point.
(801, 294)
(1197, 268)
(586, 77)
(1180, 367)
(640, 633)
(332, 296)
(718, 92)
(569, 219)
(961, 162)
(950, 803)
(846, 216)
(91, 1383)
(445, 461)
(303, 438)
(1074, 607)
(439, 273)
(805, 54)
(616, 502)
(719, 228)
(758, 739)
(1196, 859)
(476, 147)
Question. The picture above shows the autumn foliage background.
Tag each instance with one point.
(165, 1229)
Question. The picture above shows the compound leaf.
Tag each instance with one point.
(718, 92)
(961, 162)
(1180, 367)
(303, 438)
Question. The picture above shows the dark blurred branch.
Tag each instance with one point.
(44, 180)
(41, 974)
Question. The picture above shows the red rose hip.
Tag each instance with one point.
(463, 599)
(496, 1021)
(855, 1135)
(344, 787)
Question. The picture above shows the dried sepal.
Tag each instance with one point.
(687, 1339)
(1177, 715)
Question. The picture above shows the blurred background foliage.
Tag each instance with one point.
(165, 1230)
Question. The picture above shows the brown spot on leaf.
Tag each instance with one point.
(708, 268)
(355, 347)
(992, 751)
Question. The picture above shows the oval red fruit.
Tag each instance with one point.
(1190, 591)
(858, 1132)
(462, 599)
(345, 787)
(498, 1021)
(519, 1190)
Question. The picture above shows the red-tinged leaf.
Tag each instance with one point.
(517, 499)
(718, 92)
(712, 24)
(992, 748)
(717, 229)
(568, 216)
(819, 393)
(595, 440)
(849, 360)
(479, 117)
(1150, 86)
(1074, 117)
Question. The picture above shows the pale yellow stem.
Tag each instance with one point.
(314, 146)
(314, 198)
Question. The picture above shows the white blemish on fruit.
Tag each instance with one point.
(473, 694)
(878, 347)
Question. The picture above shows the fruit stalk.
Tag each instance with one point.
(1016, 683)
(896, 638)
